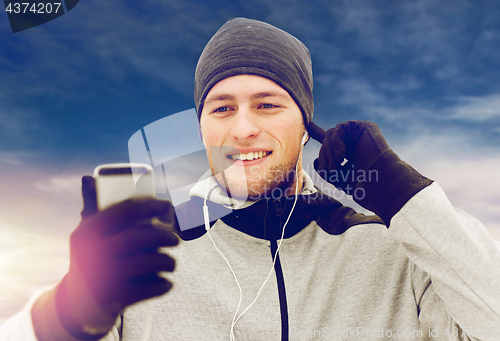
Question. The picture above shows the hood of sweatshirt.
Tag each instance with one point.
(207, 187)
(266, 217)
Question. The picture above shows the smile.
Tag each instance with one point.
(249, 156)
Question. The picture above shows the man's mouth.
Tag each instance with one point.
(249, 156)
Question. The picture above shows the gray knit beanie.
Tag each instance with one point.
(246, 46)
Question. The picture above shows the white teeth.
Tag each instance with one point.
(250, 156)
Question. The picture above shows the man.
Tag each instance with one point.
(418, 270)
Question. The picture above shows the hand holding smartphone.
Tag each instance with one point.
(115, 253)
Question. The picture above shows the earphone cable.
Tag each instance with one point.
(207, 227)
(275, 254)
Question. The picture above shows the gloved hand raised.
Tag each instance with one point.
(347, 152)
(114, 261)
(355, 158)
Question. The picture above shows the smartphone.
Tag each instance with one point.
(120, 181)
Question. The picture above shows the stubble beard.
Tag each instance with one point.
(275, 183)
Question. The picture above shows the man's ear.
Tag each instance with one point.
(200, 132)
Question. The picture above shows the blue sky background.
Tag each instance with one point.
(74, 90)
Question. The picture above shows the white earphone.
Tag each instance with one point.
(304, 138)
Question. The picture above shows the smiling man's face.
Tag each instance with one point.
(263, 126)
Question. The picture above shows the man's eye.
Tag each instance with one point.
(221, 109)
(267, 106)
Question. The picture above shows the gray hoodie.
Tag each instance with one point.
(434, 274)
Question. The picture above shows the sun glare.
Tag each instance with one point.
(28, 262)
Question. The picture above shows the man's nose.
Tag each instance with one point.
(246, 125)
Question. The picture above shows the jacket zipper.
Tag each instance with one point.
(279, 276)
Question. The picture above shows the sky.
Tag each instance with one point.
(74, 90)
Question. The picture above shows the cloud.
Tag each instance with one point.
(371, 99)
(468, 174)
(413, 54)
(18, 124)
(68, 185)
(37, 198)
(470, 185)
(401, 84)
(422, 30)
(360, 92)
(477, 116)
(99, 46)
(11, 158)
(477, 108)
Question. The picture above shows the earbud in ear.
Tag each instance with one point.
(304, 138)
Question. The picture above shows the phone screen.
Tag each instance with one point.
(118, 182)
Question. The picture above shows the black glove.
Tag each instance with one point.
(347, 152)
(355, 158)
(114, 261)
